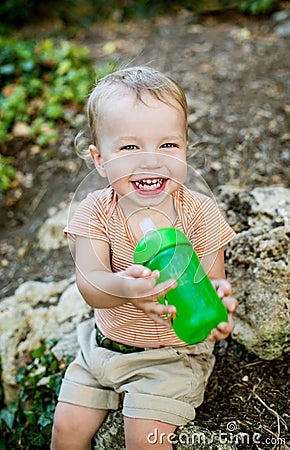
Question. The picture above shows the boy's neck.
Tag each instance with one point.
(161, 217)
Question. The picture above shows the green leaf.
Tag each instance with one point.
(54, 111)
(44, 420)
(38, 352)
(7, 69)
(3, 444)
(27, 65)
(8, 416)
(7, 173)
(30, 417)
(64, 67)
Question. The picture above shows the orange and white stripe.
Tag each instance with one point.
(100, 216)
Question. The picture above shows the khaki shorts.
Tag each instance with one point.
(165, 384)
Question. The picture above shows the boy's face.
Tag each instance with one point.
(142, 149)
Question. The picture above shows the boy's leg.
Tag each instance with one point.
(144, 434)
(74, 426)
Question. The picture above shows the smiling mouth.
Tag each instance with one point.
(149, 185)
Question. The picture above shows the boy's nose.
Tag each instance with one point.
(150, 160)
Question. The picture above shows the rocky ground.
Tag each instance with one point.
(235, 71)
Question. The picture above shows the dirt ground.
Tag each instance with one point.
(235, 72)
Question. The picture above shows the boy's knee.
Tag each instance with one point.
(66, 424)
(64, 418)
(74, 426)
(61, 430)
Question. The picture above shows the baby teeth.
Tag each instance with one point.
(149, 183)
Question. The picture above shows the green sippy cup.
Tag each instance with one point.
(198, 307)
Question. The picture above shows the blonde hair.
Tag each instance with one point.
(136, 80)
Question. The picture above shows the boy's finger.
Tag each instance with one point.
(230, 303)
(159, 320)
(137, 270)
(222, 287)
(164, 287)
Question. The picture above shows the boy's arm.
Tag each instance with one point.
(96, 282)
(213, 265)
(101, 288)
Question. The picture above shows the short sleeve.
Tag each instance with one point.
(90, 219)
(208, 230)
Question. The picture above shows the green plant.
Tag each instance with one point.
(43, 85)
(27, 423)
(41, 81)
(16, 13)
(7, 173)
(259, 6)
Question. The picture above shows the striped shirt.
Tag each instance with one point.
(99, 216)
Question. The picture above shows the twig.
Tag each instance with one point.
(38, 199)
(242, 366)
(269, 431)
(272, 411)
(255, 387)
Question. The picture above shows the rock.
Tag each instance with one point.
(258, 267)
(280, 16)
(283, 30)
(282, 23)
(50, 234)
(21, 129)
(36, 313)
(198, 109)
(111, 434)
(67, 346)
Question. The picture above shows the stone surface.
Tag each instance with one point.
(50, 234)
(280, 16)
(282, 20)
(258, 267)
(36, 313)
(283, 30)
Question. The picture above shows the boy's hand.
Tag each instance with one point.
(223, 329)
(140, 288)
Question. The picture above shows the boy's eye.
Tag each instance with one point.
(129, 147)
(168, 145)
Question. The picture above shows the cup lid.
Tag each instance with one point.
(157, 240)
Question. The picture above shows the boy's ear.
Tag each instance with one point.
(97, 159)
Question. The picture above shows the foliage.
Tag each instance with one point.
(7, 173)
(27, 423)
(259, 6)
(15, 13)
(43, 85)
(19, 12)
